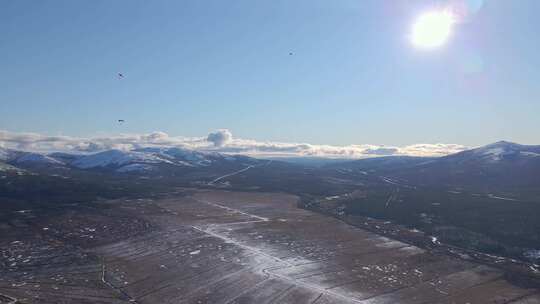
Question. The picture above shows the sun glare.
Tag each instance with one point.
(432, 29)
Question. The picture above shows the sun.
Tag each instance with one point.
(432, 29)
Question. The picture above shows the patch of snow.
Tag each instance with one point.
(532, 254)
(38, 158)
(6, 168)
(182, 156)
(501, 198)
(493, 151)
(116, 158)
(149, 155)
(497, 151)
(531, 154)
(4, 154)
(328, 198)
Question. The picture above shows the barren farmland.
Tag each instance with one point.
(207, 246)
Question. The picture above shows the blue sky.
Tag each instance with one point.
(195, 66)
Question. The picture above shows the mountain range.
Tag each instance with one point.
(501, 165)
(142, 160)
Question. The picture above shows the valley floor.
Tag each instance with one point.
(210, 246)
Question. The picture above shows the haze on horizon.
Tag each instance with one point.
(341, 73)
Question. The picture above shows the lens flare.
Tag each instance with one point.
(432, 29)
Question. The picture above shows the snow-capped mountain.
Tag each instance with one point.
(134, 161)
(181, 156)
(116, 158)
(145, 159)
(5, 156)
(499, 152)
(15, 158)
(36, 158)
(499, 165)
(502, 164)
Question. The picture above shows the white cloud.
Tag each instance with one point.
(220, 137)
(432, 149)
(217, 141)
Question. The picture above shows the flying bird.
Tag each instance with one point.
(121, 121)
(290, 53)
(120, 75)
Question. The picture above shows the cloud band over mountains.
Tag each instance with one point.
(217, 141)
